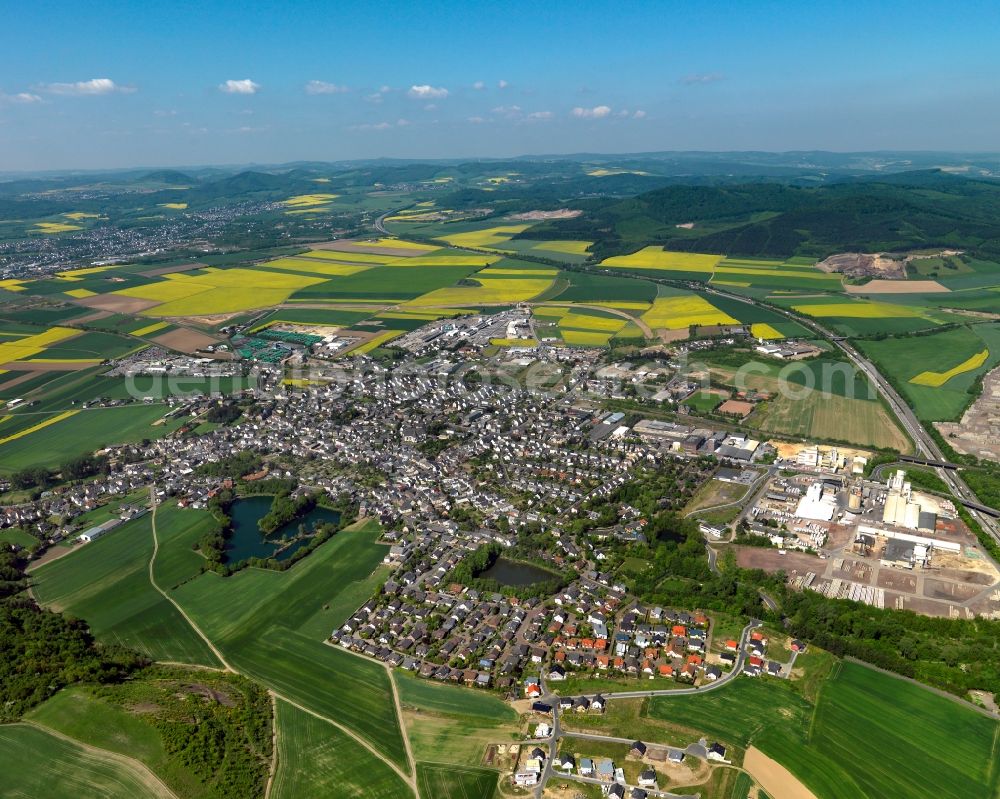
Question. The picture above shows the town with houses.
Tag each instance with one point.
(452, 467)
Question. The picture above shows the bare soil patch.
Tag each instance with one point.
(770, 560)
(47, 366)
(899, 287)
(91, 317)
(957, 592)
(184, 340)
(897, 581)
(8, 384)
(775, 779)
(118, 303)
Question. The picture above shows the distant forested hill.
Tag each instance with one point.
(903, 211)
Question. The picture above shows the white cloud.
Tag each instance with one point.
(640, 114)
(597, 112)
(502, 84)
(427, 92)
(87, 87)
(164, 113)
(476, 120)
(322, 87)
(245, 86)
(21, 98)
(430, 107)
(701, 77)
(540, 115)
(400, 123)
(507, 110)
(478, 85)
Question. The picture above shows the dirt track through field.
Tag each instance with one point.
(407, 779)
(773, 777)
(156, 787)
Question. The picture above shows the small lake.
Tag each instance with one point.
(516, 574)
(247, 541)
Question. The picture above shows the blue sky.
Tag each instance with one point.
(96, 84)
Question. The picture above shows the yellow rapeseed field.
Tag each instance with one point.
(306, 200)
(513, 342)
(491, 290)
(445, 260)
(80, 293)
(527, 272)
(581, 320)
(54, 227)
(676, 313)
(858, 310)
(145, 331)
(488, 237)
(12, 285)
(226, 291)
(333, 269)
(658, 258)
(174, 206)
(764, 331)
(349, 257)
(77, 274)
(78, 215)
(23, 348)
(377, 341)
(937, 379)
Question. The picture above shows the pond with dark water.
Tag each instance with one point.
(247, 541)
(516, 574)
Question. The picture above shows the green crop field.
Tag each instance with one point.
(316, 759)
(452, 700)
(272, 625)
(82, 433)
(107, 583)
(956, 746)
(831, 746)
(70, 771)
(450, 782)
(903, 359)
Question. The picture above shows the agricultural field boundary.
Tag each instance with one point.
(141, 769)
(409, 780)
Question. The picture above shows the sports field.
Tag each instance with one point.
(316, 759)
(70, 771)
